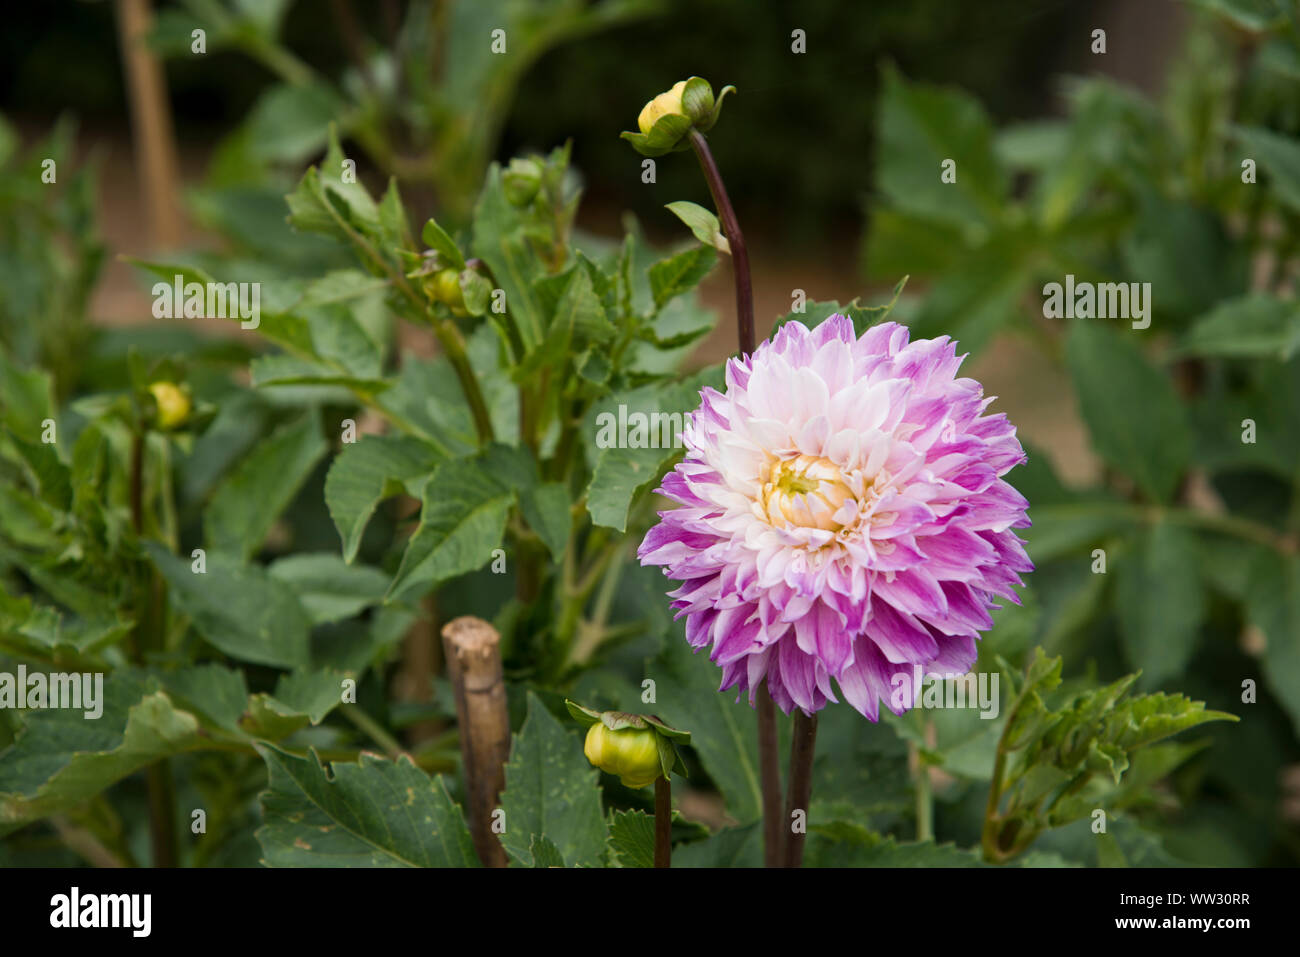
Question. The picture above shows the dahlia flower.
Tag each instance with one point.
(842, 517)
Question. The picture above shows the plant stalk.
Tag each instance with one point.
(768, 758)
(739, 254)
(802, 748)
(663, 822)
(769, 769)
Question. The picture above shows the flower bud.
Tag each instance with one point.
(173, 404)
(639, 748)
(447, 289)
(630, 753)
(521, 181)
(666, 121)
(662, 105)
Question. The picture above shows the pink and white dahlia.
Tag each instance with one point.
(841, 516)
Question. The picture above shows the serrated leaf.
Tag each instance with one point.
(678, 274)
(252, 497)
(328, 587)
(238, 608)
(365, 473)
(463, 518)
(60, 758)
(632, 838)
(374, 813)
(551, 791)
(621, 473)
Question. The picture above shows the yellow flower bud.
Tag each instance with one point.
(173, 404)
(447, 289)
(662, 105)
(630, 753)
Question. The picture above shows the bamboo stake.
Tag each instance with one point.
(473, 654)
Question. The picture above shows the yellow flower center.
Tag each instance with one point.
(805, 491)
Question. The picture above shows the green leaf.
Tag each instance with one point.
(545, 508)
(289, 123)
(920, 127)
(436, 238)
(702, 223)
(632, 838)
(675, 275)
(724, 732)
(578, 320)
(59, 758)
(213, 691)
(1256, 326)
(1253, 15)
(551, 791)
(730, 847)
(499, 242)
(545, 854)
(1133, 414)
(1273, 604)
(847, 845)
(328, 587)
(621, 473)
(463, 518)
(374, 813)
(252, 497)
(238, 608)
(1160, 602)
(1062, 529)
(367, 472)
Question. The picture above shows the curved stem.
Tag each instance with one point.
(739, 254)
(768, 759)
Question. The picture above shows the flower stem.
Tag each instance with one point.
(663, 823)
(731, 229)
(924, 797)
(768, 758)
(770, 774)
(802, 747)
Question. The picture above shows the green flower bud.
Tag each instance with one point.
(666, 121)
(173, 404)
(639, 748)
(521, 181)
(630, 753)
(447, 289)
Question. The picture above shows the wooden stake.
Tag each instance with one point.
(473, 653)
(155, 142)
